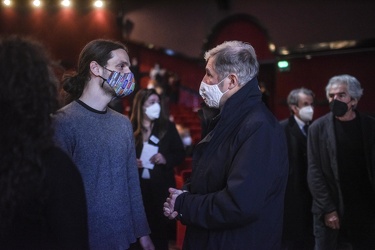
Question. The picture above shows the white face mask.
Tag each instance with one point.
(306, 113)
(153, 111)
(211, 94)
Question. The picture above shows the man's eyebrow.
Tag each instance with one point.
(123, 62)
(339, 93)
(333, 94)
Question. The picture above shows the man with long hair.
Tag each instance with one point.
(101, 143)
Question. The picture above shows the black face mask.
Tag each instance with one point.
(338, 108)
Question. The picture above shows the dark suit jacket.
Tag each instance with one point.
(323, 174)
(298, 200)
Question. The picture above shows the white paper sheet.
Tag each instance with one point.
(147, 152)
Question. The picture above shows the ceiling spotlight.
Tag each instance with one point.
(36, 3)
(7, 2)
(65, 3)
(98, 4)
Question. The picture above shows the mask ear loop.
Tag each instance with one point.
(105, 80)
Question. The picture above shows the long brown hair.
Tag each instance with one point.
(99, 50)
(138, 114)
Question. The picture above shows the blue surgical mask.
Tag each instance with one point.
(122, 84)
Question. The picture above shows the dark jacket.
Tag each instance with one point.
(238, 180)
(323, 176)
(57, 221)
(297, 210)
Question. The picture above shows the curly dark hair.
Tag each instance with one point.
(28, 95)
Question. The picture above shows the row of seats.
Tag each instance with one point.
(188, 118)
(182, 173)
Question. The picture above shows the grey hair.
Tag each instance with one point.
(234, 57)
(294, 95)
(352, 84)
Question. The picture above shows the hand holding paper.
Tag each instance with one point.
(147, 152)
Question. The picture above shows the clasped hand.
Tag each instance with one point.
(169, 203)
(332, 220)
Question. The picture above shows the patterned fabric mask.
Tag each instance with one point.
(211, 94)
(122, 84)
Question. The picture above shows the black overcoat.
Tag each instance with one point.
(238, 180)
(297, 211)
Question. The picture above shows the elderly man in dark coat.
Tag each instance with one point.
(235, 198)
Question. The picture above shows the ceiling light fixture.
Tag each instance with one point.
(98, 4)
(7, 2)
(65, 3)
(37, 3)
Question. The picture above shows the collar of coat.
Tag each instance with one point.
(247, 96)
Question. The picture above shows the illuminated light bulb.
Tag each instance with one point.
(36, 3)
(7, 2)
(65, 3)
(98, 4)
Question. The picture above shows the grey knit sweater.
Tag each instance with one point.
(101, 144)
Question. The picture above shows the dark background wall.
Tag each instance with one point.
(183, 25)
(187, 28)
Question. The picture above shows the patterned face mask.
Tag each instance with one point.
(122, 84)
(211, 94)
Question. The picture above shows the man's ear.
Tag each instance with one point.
(95, 68)
(354, 103)
(233, 81)
(294, 109)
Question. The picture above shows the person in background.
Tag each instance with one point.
(100, 142)
(341, 167)
(172, 88)
(235, 196)
(186, 138)
(297, 231)
(43, 204)
(159, 149)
